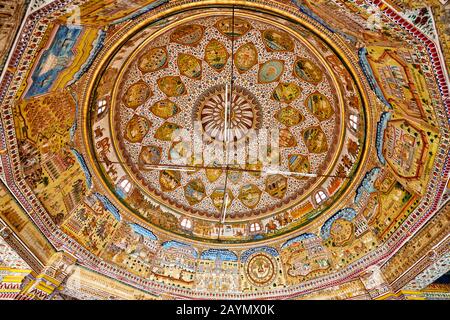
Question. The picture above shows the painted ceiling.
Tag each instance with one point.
(344, 187)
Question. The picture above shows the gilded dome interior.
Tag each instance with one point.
(225, 149)
(279, 87)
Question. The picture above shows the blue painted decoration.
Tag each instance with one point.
(304, 9)
(218, 254)
(381, 127)
(367, 184)
(141, 11)
(179, 245)
(83, 166)
(54, 60)
(347, 213)
(272, 251)
(143, 231)
(297, 239)
(109, 206)
(74, 126)
(368, 72)
(97, 45)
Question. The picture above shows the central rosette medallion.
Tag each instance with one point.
(244, 113)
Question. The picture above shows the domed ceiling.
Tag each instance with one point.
(228, 149)
(174, 88)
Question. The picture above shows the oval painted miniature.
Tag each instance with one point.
(287, 139)
(277, 40)
(149, 155)
(276, 185)
(233, 28)
(189, 66)
(246, 57)
(136, 129)
(179, 151)
(299, 163)
(169, 180)
(289, 116)
(218, 198)
(189, 35)
(320, 106)
(306, 70)
(212, 174)
(172, 86)
(153, 60)
(249, 195)
(137, 94)
(234, 175)
(270, 71)
(315, 140)
(216, 55)
(167, 131)
(164, 109)
(286, 92)
(194, 191)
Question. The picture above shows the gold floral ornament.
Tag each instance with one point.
(189, 35)
(261, 269)
(137, 94)
(245, 113)
(136, 129)
(189, 66)
(153, 60)
(246, 57)
(286, 92)
(216, 55)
